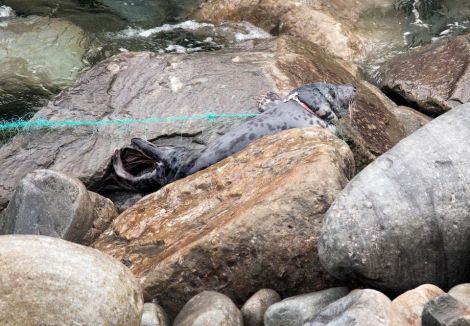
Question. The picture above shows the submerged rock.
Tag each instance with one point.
(47, 281)
(209, 308)
(148, 86)
(403, 221)
(27, 73)
(249, 221)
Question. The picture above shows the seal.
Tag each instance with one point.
(143, 166)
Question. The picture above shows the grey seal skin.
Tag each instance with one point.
(146, 167)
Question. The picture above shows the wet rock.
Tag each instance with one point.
(402, 221)
(360, 307)
(287, 17)
(445, 310)
(48, 281)
(462, 293)
(145, 85)
(49, 203)
(247, 222)
(433, 78)
(209, 308)
(411, 303)
(154, 315)
(296, 311)
(410, 119)
(254, 308)
(104, 213)
(27, 74)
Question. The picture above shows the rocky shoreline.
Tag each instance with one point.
(302, 227)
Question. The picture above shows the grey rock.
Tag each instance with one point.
(154, 315)
(403, 221)
(104, 213)
(296, 311)
(26, 72)
(209, 308)
(360, 307)
(410, 119)
(48, 281)
(49, 203)
(445, 310)
(461, 292)
(435, 78)
(254, 308)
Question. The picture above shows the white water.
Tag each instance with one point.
(6, 11)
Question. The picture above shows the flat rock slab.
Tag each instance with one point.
(209, 308)
(435, 78)
(403, 221)
(146, 85)
(48, 281)
(296, 311)
(249, 221)
(49, 203)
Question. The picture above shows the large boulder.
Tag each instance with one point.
(403, 221)
(433, 78)
(47, 281)
(49, 203)
(247, 222)
(27, 73)
(135, 86)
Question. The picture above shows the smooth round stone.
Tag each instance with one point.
(209, 308)
(154, 315)
(255, 307)
(49, 281)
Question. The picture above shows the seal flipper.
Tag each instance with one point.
(268, 101)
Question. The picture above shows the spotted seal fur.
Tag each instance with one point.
(144, 166)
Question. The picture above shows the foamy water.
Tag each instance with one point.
(6, 11)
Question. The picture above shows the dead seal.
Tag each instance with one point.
(143, 166)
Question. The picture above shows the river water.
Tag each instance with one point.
(46, 44)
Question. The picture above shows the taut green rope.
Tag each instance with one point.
(42, 123)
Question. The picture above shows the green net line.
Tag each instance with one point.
(43, 123)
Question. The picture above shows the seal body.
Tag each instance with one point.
(144, 166)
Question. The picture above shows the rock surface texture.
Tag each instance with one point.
(434, 78)
(411, 303)
(360, 307)
(49, 203)
(254, 308)
(410, 119)
(145, 85)
(47, 281)
(104, 213)
(298, 310)
(445, 310)
(247, 222)
(403, 221)
(154, 315)
(461, 292)
(209, 308)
